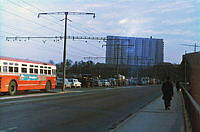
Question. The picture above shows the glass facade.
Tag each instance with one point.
(134, 51)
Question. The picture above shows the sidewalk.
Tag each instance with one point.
(154, 118)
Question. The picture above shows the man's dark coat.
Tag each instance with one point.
(167, 90)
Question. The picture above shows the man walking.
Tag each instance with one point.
(167, 90)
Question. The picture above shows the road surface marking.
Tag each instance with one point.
(9, 129)
(35, 95)
(12, 128)
(22, 96)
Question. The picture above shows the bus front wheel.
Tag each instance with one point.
(12, 88)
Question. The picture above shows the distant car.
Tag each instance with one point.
(133, 81)
(98, 83)
(68, 84)
(105, 83)
(59, 83)
(112, 81)
(75, 83)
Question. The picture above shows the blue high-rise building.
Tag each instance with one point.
(134, 51)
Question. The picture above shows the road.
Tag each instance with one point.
(90, 111)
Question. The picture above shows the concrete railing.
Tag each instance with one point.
(193, 102)
(193, 110)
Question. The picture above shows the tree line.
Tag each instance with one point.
(159, 71)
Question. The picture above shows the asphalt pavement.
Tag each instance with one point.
(89, 111)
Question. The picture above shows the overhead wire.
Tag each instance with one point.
(70, 25)
(31, 20)
(31, 5)
(18, 5)
(44, 47)
(52, 46)
(20, 32)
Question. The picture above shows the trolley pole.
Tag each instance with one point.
(65, 35)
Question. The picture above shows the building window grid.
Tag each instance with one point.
(143, 52)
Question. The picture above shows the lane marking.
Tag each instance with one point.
(12, 128)
(9, 129)
(22, 96)
(37, 95)
(40, 99)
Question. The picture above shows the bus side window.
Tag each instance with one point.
(10, 69)
(31, 70)
(36, 71)
(41, 71)
(49, 72)
(15, 69)
(5, 69)
(24, 70)
(45, 71)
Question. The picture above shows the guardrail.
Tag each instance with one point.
(194, 103)
(193, 110)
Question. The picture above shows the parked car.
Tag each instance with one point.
(145, 80)
(68, 84)
(59, 83)
(75, 83)
(105, 83)
(133, 81)
(98, 83)
(87, 80)
(112, 81)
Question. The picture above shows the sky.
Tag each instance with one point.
(175, 21)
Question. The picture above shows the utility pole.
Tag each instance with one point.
(65, 34)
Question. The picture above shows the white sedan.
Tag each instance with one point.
(75, 83)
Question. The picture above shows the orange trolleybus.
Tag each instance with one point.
(18, 74)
